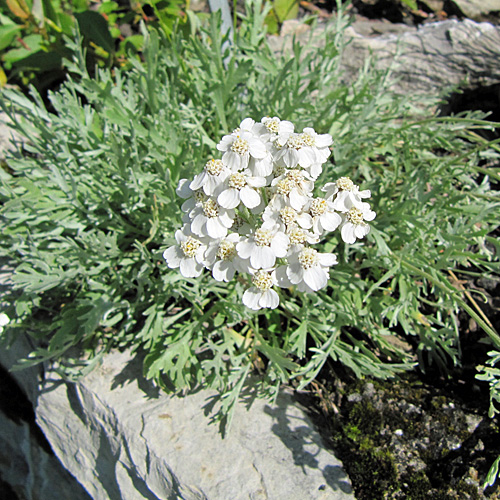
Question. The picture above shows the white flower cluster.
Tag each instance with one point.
(254, 212)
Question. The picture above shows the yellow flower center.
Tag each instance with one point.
(345, 184)
(210, 208)
(214, 167)
(297, 236)
(308, 258)
(295, 176)
(318, 207)
(240, 146)
(355, 215)
(227, 250)
(263, 237)
(288, 215)
(272, 124)
(307, 139)
(190, 246)
(262, 280)
(284, 186)
(237, 181)
(295, 142)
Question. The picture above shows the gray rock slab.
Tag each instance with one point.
(432, 58)
(426, 61)
(27, 462)
(121, 438)
(477, 8)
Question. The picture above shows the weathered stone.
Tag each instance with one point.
(433, 58)
(426, 60)
(27, 463)
(476, 9)
(124, 439)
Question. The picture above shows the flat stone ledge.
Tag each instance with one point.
(121, 438)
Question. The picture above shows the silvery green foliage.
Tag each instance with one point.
(89, 205)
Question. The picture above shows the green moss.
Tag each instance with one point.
(365, 434)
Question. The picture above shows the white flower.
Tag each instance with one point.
(4, 320)
(279, 212)
(196, 199)
(239, 147)
(307, 149)
(221, 256)
(239, 187)
(347, 194)
(294, 187)
(263, 247)
(354, 226)
(188, 254)
(300, 236)
(274, 130)
(212, 176)
(323, 216)
(210, 219)
(261, 295)
(309, 269)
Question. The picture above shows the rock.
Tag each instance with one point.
(426, 60)
(123, 439)
(27, 463)
(432, 58)
(476, 9)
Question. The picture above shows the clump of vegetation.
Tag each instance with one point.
(33, 35)
(89, 206)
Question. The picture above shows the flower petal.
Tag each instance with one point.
(269, 299)
(189, 268)
(215, 228)
(327, 259)
(251, 298)
(249, 197)
(262, 257)
(229, 198)
(280, 244)
(173, 256)
(315, 277)
(223, 271)
(347, 233)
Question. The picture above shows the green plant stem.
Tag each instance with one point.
(472, 313)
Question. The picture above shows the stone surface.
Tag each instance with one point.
(27, 463)
(122, 438)
(432, 58)
(426, 60)
(475, 9)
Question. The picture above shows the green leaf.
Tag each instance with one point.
(32, 44)
(286, 9)
(412, 4)
(95, 29)
(19, 8)
(7, 34)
